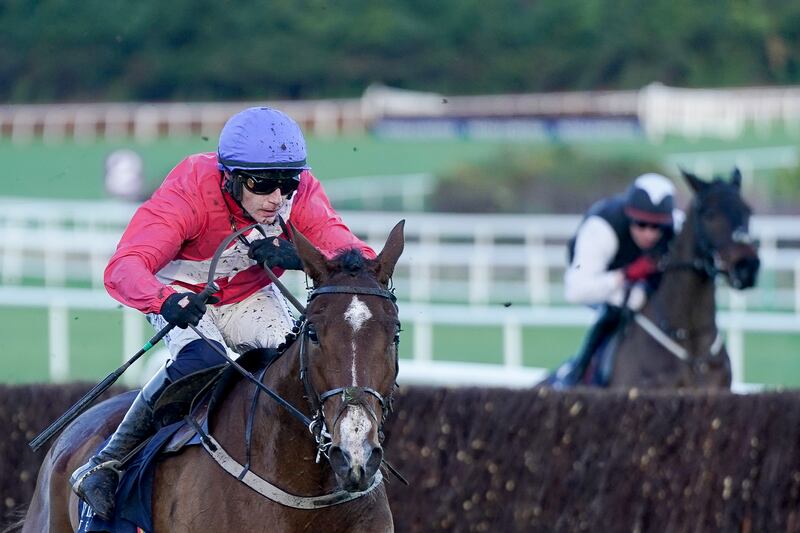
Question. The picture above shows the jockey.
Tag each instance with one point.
(614, 259)
(258, 175)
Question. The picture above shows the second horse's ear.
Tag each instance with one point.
(736, 178)
(694, 182)
(314, 262)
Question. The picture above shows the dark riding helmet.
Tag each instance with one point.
(650, 198)
(258, 145)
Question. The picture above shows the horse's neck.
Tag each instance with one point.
(686, 298)
(282, 449)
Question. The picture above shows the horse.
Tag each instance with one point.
(674, 340)
(346, 345)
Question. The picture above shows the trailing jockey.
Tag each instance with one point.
(613, 261)
(258, 175)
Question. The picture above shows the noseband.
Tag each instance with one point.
(705, 262)
(353, 395)
(706, 259)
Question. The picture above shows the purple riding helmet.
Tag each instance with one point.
(258, 139)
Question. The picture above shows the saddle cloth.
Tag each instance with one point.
(598, 372)
(133, 509)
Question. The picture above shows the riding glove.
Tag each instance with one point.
(184, 308)
(641, 269)
(275, 252)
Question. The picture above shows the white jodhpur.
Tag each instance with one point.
(261, 320)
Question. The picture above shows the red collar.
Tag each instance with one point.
(235, 209)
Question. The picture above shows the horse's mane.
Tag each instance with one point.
(722, 190)
(351, 261)
(718, 183)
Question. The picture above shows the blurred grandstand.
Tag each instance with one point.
(656, 111)
(481, 294)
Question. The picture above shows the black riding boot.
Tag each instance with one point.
(604, 326)
(96, 481)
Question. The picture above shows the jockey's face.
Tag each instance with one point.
(645, 235)
(263, 207)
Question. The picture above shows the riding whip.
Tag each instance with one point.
(81, 405)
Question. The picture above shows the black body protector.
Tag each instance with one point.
(612, 210)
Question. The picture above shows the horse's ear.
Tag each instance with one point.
(736, 178)
(314, 262)
(388, 257)
(694, 182)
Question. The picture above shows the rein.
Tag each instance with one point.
(316, 425)
(267, 489)
(352, 395)
(673, 347)
(704, 263)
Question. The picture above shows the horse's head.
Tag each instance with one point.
(349, 354)
(721, 221)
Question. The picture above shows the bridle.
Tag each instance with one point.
(706, 260)
(352, 395)
(316, 424)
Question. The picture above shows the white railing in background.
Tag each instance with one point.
(661, 111)
(706, 163)
(372, 192)
(475, 259)
(144, 122)
(422, 317)
(720, 113)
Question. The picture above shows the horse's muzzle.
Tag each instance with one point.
(744, 273)
(351, 476)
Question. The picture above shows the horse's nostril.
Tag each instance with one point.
(374, 461)
(339, 458)
(746, 272)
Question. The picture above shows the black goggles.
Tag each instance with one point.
(267, 182)
(648, 225)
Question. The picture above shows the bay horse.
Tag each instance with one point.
(674, 340)
(346, 348)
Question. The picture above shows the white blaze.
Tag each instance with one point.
(357, 313)
(354, 429)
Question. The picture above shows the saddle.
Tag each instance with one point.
(599, 369)
(199, 394)
(602, 364)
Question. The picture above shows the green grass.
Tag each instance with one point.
(75, 171)
(773, 358)
(96, 347)
(95, 343)
(25, 351)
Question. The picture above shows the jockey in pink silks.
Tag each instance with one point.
(258, 175)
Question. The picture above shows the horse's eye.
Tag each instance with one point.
(311, 331)
(397, 335)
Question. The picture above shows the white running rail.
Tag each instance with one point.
(475, 259)
(422, 317)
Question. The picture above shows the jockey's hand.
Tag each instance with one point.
(275, 252)
(641, 269)
(184, 308)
